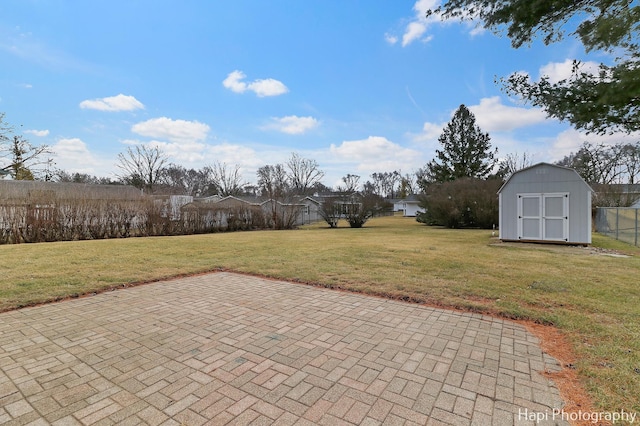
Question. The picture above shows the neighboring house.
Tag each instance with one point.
(409, 206)
(230, 202)
(310, 210)
(25, 190)
(341, 201)
(86, 207)
(170, 205)
(210, 199)
(218, 211)
(28, 208)
(616, 195)
(545, 203)
(39, 198)
(222, 212)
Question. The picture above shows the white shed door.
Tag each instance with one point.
(530, 217)
(543, 216)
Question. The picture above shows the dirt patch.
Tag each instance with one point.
(561, 248)
(554, 343)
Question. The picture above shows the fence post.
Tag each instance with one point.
(636, 238)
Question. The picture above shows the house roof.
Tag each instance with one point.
(535, 166)
(233, 200)
(23, 189)
(411, 198)
(624, 188)
(310, 198)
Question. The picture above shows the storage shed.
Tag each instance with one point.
(545, 203)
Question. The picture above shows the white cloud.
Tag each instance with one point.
(557, 71)
(477, 30)
(502, 123)
(422, 6)
(187, 152)
(178, 131)
(430, 132)
(376, 154)
(245, 157)
(292, 124)
(390, 38)
(233, 83)
(413, 32)
(73, 156)
(571, 140)
(268, 87)
(493, 116)
(418, 25)
(181, 140)
(40, 133)
(71, 148)
(261, 87)
(113, 103)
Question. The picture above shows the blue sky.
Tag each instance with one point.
(360, 86)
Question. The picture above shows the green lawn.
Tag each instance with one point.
(593, 299)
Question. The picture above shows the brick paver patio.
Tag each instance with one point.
(226, 348)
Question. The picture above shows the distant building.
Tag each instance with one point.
(409, 206)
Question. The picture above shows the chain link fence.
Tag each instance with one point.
(621, 223)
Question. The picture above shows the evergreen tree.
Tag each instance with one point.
(604, 102)
(466, 150)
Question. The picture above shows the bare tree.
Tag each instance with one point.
(407, 186)
(5, 129)
(374, 185)
(26, 161)
(303, 174)
(331, 210)
(66, 177)
(356, 207)
(21, 159)
(273, 182)
(596, 163)
(394, 178)
(225, 179)
(185, 181)
(142, 166)
(512, 163)
(351, 183)
(631, 162)
(423, 180)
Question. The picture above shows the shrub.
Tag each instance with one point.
(462, 203)
(358, 210)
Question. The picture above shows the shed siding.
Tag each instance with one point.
(543, 179)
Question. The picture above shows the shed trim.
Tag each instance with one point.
(544, 164)
(542, 219)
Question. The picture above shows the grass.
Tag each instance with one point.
(593, 299)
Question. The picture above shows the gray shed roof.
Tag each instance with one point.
(542, 165)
